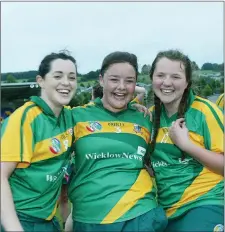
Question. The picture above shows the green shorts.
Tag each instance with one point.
(31, 224)
(153, 221)
(208, 218)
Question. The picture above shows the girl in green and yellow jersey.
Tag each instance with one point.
(111, 190)
(187, 148)
(35, 149)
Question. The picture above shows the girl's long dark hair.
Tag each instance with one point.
(174, 55)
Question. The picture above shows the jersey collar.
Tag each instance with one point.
(99, 102)
(191, 98)
(43, 105)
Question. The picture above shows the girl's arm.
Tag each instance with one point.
(64, 204)
(69, 223)
(178, 132)
(9, 219)
(140, 91)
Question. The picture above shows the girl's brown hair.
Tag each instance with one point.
(174, 55)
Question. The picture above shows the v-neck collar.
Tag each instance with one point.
(169, 120)
(44, 106)
(99, 103)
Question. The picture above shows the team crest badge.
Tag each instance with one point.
(94, 126)
(137, 128)
(218, 228)
(55, 146)
(118, 129)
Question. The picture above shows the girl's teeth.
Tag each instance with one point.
(64, 92)
(167, 91)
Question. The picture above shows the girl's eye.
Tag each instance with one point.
(57, 77)
(72, 78)
(130, 81)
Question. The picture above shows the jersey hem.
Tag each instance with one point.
(30, 217)
(118, 220)
(217, 202)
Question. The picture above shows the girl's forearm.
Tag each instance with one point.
(9, 218)
(212, 160)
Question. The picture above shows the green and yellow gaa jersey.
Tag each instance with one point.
(110, 184)
(184, 183)
(220, 101)
(40, 143)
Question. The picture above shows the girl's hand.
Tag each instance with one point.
(178, 133)
(144, 109)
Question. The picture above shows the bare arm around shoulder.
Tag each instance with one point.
(140, 91)
(9, 219)
(69, 223)
(64, 203)
(210, 159)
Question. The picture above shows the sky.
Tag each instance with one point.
(91, 30)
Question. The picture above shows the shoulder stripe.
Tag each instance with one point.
(136, 100)
(21, 135)
(220, 99)
(151, 109)
(214, 129)
(85, 106)
(21, 131)
(213, 110)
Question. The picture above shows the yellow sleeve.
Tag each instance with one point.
(135, 100)
(151, 108)
(213, 129)
(17, 136)
(220, 101)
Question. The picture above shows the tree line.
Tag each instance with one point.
(30, 76)
(205, 67)
(203, 86)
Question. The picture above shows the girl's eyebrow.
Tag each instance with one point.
(131, 77)
(114, 75)
(62, 72)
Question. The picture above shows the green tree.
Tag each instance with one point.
(87, 97)
(202, 81)
(145, 69)
(207, 66)
(194, 66)
(222, 88)
(212, 84)
(207, 91)
(77, 100)
(218, 85)
(149, 101)
(10, 79)
(82, 85)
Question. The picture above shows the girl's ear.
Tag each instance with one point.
(40, 81)
(101, 80)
